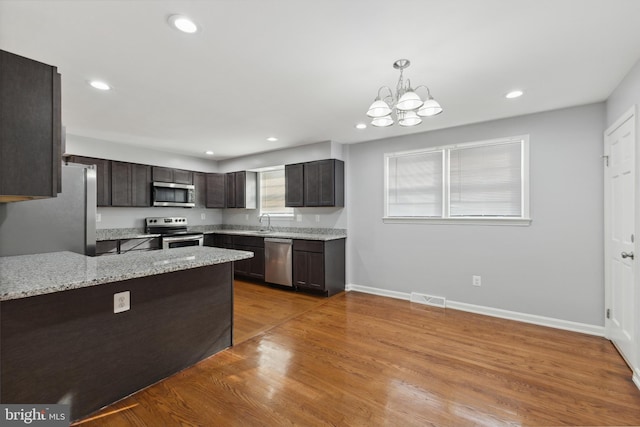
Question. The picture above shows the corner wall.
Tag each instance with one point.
(552, 268)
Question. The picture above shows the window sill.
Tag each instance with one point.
(462, 221)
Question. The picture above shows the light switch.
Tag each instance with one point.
(121, 302)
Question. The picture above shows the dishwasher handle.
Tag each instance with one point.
(276, 240)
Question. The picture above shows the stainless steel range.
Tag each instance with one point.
(173, 231)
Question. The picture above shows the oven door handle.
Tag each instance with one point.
(182, 238)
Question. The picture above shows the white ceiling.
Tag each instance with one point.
(307, 70)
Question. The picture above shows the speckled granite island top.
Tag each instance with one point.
(29, 275)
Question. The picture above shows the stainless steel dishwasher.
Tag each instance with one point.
(278, 261)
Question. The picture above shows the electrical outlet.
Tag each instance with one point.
(476, 281)
(317, 218)
(246, 217)
(121, 302)
(203, 216)
(299, 218)
(98, 217)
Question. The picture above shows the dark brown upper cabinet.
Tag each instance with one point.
(241, 191)
(30, 129)
(294, 185)
(215, 197)
(178, 176)
(313, 184)
(103, 176)
(130, 184)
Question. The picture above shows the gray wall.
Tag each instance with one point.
(624, 96)
(101, 149)
(134, 217)
(551, 268)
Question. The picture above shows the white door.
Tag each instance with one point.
(619, 191)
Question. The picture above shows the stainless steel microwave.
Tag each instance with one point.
(171, 194)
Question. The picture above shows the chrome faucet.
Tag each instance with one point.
(268, 222)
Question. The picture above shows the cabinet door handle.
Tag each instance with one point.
(627, 255)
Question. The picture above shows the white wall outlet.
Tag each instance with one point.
(121, 302)
(98, 217)
(317, 218)
(476, 281)
(246, 217)
(299, 218)
(203, 215)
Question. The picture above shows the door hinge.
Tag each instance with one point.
(608, 313)
(606, 160)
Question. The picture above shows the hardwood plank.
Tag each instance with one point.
(357, 359)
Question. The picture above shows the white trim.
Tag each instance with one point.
(626, 116)
(378, 291)
(465, 221)
(551, 322)
(636, 378)
(493, 312)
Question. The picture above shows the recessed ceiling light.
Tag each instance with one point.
(183, 24)
(514, 94)
(272, 139)
(361, 126)
(100, 85)
(209, 153)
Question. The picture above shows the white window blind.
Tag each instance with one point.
(486, 181)
(272, 186)
(415, 185)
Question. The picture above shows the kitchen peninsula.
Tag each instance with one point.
(89, 331)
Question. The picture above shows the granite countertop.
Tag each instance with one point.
(29, 275)
(279, 232)
(282, 234)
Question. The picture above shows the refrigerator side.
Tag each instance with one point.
(63, 223)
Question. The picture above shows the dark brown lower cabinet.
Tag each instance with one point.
(70, 345)
(319, 265)
(251, 267)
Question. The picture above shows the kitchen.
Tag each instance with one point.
(526, 272)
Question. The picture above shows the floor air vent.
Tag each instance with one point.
(428, 299)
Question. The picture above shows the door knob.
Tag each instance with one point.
(627, 255)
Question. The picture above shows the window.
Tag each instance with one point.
(479, 182)
(272, 192)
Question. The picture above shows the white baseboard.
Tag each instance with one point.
(496, 312)
(636, 378)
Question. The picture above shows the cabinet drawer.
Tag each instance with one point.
(308, 245)
(257, 242)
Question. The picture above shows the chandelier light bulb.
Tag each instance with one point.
(382, 122)
(430, 108)
(409, 118)
(379, 108)
(409, 101)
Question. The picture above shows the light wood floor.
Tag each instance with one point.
(362, 360)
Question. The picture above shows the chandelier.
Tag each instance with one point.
(407, 105)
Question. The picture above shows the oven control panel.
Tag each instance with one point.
(169, 221)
